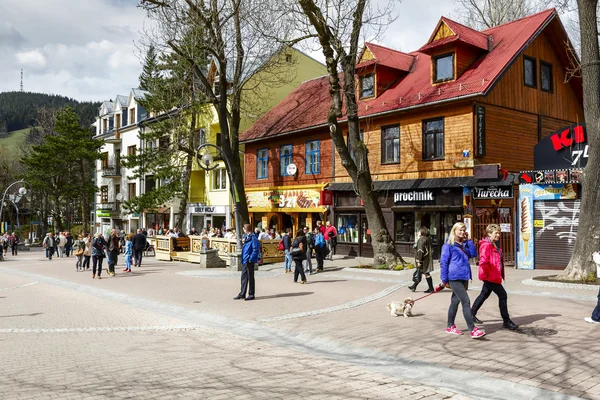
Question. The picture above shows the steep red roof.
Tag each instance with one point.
(462, 34)
(387, 57)
(307, 106)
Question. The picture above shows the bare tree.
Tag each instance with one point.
(339, 25)
(581, 265)
(483, 14)
(231, 35)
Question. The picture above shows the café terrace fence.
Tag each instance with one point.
(188, 249)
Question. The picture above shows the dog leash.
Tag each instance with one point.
(438, 289)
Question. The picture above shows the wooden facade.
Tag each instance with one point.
(516, 118)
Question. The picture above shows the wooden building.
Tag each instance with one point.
(436, 122)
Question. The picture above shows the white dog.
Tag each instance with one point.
(398, 308)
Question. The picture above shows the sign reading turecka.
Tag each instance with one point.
(493, 192)
(413, 195)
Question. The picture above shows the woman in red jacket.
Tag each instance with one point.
(491, 273)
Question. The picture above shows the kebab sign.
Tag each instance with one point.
(304, 198)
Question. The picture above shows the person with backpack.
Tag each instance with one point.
(320, 247)
(310, 240)
(286, 244)
(331, 238)
(424, 260)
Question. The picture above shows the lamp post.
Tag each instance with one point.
(22, 192)
(206, 162)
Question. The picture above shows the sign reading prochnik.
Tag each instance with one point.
(493, 192)
(414, 196)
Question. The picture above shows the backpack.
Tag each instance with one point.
(280, 246)
(310, 240)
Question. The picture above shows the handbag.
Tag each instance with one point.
(296, 250)
(79, 252)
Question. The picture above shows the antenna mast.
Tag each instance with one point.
(21, 79)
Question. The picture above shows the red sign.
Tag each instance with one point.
(568, 137)
(326, 198)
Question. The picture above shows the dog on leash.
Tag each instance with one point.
(398, 308)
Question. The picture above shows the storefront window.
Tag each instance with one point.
(405, 227)
(347, 226)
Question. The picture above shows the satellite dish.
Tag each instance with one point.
(291, 169)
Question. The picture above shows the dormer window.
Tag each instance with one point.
(367, 86)
(443, 67)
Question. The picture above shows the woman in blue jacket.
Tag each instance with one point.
(455, 272)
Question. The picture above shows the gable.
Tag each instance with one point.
(443, 31)
(366, 55)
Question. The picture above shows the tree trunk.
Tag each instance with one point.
(581, 265)
(184, 192)
(85, 215)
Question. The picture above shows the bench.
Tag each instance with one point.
(181, 244)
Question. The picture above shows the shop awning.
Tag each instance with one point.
(434, 183)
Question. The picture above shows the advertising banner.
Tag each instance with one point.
(525, 232)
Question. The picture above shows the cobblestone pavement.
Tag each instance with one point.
(170, 330)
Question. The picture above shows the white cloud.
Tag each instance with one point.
(33, 58)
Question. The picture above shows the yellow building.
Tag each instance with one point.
(209, 203)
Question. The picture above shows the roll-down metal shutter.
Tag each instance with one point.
(555, 227)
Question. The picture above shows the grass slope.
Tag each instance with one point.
(14, 138)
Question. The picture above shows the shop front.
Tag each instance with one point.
(549, 200)
(158, 219)
(407, 205)
(284, 207)
(202, 216)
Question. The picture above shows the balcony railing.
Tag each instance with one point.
(111, 171)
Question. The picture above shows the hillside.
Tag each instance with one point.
(13, 139)
(18, 110)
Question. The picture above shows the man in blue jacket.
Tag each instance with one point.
(249, 258)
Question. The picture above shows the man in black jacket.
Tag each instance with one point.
(138, 244)
(113, 251)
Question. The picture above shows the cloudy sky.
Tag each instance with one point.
(89, 50)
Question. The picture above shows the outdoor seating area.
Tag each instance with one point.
(188, 249)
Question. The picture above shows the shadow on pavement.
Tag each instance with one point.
(523, 328)
(21, 315)
(276, 296)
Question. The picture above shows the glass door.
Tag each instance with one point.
(366, 248)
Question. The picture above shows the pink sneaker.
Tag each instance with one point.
(453, 330)
(477, 333)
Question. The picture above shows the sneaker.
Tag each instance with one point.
(591, 321)
(477, 333)
(477, 320)
(512, 326)
(453, 330)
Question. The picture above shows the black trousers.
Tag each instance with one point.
(247, 280)
(97, 260)
(488, 288)
(86, 262)
(112, 260)
(299, 270)
(137, 257)
(14, 249)
(320, 254)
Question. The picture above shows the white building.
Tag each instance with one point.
(119, 124)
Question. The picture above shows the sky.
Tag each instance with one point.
(90, 50)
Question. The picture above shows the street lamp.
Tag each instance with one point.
(206, 162)
(22, 192)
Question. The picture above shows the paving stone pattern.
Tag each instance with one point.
(169, 331)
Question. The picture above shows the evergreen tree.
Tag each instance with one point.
(60, 169)
(150, 71)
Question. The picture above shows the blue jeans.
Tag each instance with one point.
(459, 295)
(596, 312)
(288, 260)
(128, 262)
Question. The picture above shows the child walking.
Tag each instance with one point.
(128, 252)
